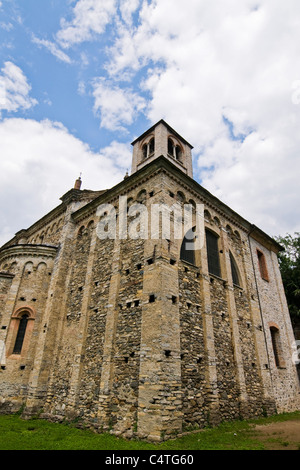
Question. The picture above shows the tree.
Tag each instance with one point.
(289, 263)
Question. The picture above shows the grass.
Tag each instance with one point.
(36, 434)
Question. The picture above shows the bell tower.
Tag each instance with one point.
(159, 140)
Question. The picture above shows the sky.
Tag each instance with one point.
(81, 79)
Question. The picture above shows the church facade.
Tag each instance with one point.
(139, 335)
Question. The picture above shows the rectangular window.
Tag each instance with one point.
(213, 259)
(262, 265)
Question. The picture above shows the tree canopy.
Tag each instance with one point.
(289, 263)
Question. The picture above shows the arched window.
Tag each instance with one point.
(21, 334)
(148, 148)
(187, 252)
(212, 246)
(234, 271)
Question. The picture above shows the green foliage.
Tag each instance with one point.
(37, 434)
(289, 263)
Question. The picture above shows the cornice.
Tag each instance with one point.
(163, 165)
(28, 251)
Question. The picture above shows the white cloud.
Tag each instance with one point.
(44, 159)
(127, 9)
(89, 17)
(117, 106)
(14, 89)
(218, 71)
(53, 48)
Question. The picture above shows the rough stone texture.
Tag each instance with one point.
(125, 336)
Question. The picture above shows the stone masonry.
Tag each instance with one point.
(123, 334)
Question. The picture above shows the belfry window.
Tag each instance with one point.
(144, 150)
(21, 334)
(212, 246)
(178, 153)
(151, 146)
(148, 149)
(174, 150)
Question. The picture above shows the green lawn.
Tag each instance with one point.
(36, 434)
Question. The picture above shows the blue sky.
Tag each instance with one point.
(81, 79)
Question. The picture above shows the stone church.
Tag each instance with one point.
(140, 336)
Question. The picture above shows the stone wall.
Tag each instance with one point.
(128, 337)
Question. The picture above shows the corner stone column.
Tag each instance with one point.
(109, 339)
(160, 396)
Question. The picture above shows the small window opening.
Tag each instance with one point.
(144, 151)
(151, 298)
(170, 147)
(275, 343)
(150, 261)
(151, 146)
(174, 299)
(178, 153)
(167, 353)
(21, 334)
(172, 262)
(234, 270)
(136, 303)
(262, 265)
